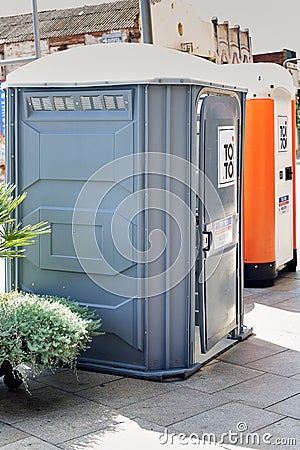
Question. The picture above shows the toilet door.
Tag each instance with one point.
(218, 205)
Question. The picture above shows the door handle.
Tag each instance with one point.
(288, 173)
(206, 240)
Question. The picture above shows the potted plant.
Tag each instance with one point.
(36, 332)
(39, 332)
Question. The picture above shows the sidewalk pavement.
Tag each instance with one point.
(251, 393)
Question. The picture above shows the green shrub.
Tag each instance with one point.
(36, 332)
(43, 331)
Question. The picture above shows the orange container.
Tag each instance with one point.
(269, 206)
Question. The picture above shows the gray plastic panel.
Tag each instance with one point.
(57, 249)
(58, 152)
(169, 312)
(30, 172)
(72, 156)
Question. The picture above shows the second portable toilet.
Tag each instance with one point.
(133, 154)
(269, 171)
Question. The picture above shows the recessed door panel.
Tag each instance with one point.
(218, 217)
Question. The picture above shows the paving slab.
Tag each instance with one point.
(70, 382)
(136, 431)
(231, 417)
(292, 304)
(63, 424)
(30, 443)
(263, 391)
(247, 293)
(289, 407)
(292, 275)
(8, 434)
(256, 385)
(270, 298)
(131, 435)
(286, 284)
(150, 426)
(171, 407)
(126, 391)
(285, 363)
(32, 385)
(20, 405)
(218, 376)
(248, 305)
(284, 434)
(276, 325)
(250, 350)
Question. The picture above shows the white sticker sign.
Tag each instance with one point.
(282, 133)
(223, 234)
(283, 204)
(226, 156)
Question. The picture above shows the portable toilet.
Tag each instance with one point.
(133, 154)
(269, 172)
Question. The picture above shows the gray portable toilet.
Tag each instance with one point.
(133, 154)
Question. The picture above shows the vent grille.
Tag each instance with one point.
(97, 102)
(115, 102)
(86, 103)
(120, 102)
(69, 103)
(64, 103)
(109, 101)
(91, 103)
(46, 102)
(59, 103)
(41, 103)
(103, 102)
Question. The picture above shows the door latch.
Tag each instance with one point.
(206, 240)
(288, 173)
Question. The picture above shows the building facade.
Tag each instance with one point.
(176, 24)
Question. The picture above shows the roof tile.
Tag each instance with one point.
(71, 21)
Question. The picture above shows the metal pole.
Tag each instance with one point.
(36, 29)
(37, 44)
(7, 62)
(146, 21)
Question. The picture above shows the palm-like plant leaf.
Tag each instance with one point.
(14, 237)
(8, 203)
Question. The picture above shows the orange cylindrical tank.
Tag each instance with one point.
(259, 185)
